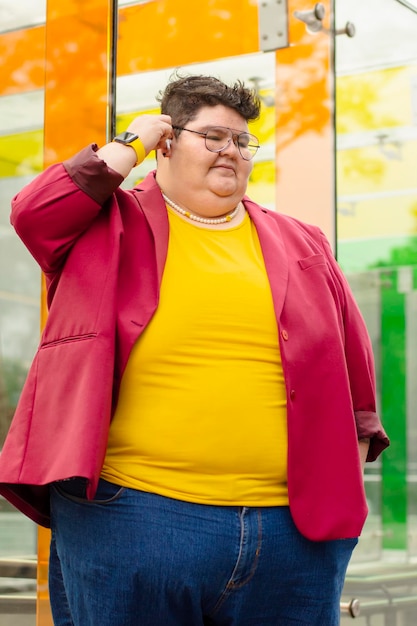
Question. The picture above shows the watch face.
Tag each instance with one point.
(125, 137)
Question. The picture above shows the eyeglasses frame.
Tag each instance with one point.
(234, 138)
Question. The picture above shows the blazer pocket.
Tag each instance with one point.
(70, 339)
(311, 261)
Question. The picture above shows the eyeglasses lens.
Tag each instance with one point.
(218, 138)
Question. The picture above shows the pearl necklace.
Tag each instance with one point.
(198, 218)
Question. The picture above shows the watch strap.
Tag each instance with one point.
(130, 139)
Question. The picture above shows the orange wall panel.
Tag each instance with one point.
(22, 55)
(77, 82)
(77, 76)
(154, 35)
(305, 151)
(170, 33)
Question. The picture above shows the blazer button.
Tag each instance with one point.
(284, 335)
(292, 394)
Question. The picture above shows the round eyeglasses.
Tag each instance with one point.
(218, 138)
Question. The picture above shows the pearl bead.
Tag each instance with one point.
(198, 218)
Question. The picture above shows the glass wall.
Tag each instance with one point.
(21, 156)
(376, 125)
(55, 83)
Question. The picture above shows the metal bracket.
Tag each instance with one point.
(313, 19)
(273, 24)
(348, 30)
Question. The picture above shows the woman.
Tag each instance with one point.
(196, 420)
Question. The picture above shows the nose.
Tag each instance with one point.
(231, 147)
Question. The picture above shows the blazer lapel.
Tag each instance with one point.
(274, 251)
(153, 206)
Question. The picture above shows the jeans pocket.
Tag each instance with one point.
(75, 489)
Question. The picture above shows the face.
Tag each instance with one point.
(194, 176)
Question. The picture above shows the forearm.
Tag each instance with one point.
(119, 157)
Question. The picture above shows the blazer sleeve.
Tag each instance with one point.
(56, 207)
(359, 362)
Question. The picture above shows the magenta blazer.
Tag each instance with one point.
(102, 250)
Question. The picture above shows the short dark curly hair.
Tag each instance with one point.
(184, 96)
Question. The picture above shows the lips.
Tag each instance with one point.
(225, 167)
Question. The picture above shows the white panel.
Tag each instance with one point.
(385, 35)
(273, 24)
(21, 112)
(21, 14)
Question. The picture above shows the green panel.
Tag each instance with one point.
(393, 401)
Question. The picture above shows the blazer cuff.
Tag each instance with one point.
(368, 425)
(92, 175)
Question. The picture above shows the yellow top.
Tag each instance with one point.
(202, 409)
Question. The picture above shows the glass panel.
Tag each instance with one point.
(411, 4)
(143, 67)
(78, 107)
(294, 84)
(305, 133)
(76, 41)
(376, 117)
(21, 157)
(77, 76)
(222, 30)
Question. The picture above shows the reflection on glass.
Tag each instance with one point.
(21, 147)
(377, 238)
(411, 4)
(376, 113)
(21, 157)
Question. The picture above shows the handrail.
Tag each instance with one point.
(18, 567)
(22, 604)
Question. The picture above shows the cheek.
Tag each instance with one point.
(189, 168)
(249, 166)
(202, 162)
(245, 170)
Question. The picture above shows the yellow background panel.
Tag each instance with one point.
(21, 154)
(364, 101)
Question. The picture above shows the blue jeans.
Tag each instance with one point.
(131, 558)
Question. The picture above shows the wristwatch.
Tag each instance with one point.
(131, 139)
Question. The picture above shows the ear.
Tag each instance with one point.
(167, 151)
(161, 152)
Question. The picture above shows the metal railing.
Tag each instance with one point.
(18, 598)
(389, 590)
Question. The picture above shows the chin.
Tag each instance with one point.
(226, 191)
